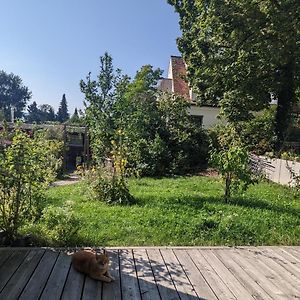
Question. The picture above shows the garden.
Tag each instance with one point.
(156, 177)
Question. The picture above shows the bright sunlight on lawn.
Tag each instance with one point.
(185, 211)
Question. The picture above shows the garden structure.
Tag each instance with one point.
(75, 139)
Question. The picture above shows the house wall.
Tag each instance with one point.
(209, 114)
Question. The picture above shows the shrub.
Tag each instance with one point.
(59, 225)
(27, 166)
(108, 186)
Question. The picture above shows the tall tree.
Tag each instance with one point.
(13, 94)
(99, 99)
(238, 53)
(62, 114)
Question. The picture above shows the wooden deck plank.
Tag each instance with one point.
(10, 265)
(73, 285)
(129, 281)
(293, 252)
(112, 290)
(228, 278)
(35, 285)
(291, 271)
(195, 276)
(4, 255)
(275, 273)
(56, 281)
(181, 282)
(288, 256)
(252, 285)
(250, 266)
(148, 287)
(213, 279)
(162, 277)
(92, 289)
(20, 278)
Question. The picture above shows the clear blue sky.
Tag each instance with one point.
(52, 44)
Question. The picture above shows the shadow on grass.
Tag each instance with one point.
(197, 203)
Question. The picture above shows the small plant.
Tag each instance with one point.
(295, 179)
(232, 160)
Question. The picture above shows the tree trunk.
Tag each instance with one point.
(285, 98)
(227, 188)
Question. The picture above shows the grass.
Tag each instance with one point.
(185, 211)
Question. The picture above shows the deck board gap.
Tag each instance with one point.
(65, 282)
(186, 275)
(136, 273)
(155, 280)
(119, 262)
(206, 281)
(14, 270)
(32, 273)
(169, 273)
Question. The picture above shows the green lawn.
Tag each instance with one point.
(185, 211)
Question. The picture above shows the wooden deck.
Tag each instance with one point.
(155, 273)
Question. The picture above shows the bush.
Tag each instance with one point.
(108, 186)
(27, 166)
(58, 226)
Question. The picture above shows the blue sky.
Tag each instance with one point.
(52, 44)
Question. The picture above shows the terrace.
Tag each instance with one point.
(155, 273)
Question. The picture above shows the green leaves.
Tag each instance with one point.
(232, 160)
(27, 167)
(12, 94)
(238, 52)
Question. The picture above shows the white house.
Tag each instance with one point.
(176, 83)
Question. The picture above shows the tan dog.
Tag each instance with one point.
(92, 264)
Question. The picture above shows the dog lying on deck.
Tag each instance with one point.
(94, 265)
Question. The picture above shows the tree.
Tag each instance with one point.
(33, 113)
(62, 114)
(40, 114)
(13, 94)
(231, 158)
(75, 119)
(131, 123)
(241, 53)
(47, 113)
(99, 100)
(108, 184)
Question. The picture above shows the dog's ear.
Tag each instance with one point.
(104, 251)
